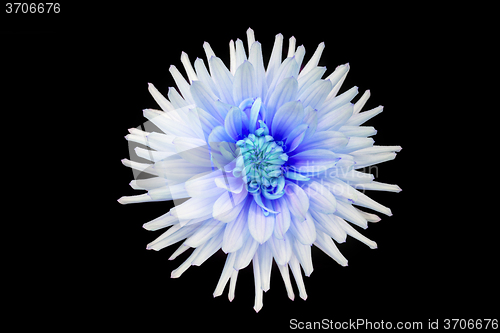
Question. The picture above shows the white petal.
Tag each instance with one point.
(255, 57)
(368, 216)
(258, 287)
(187, 66)
(210, 247)
(358, 130)
(338, 76)
(181, 84)
(299, 54)
(236, 232)
(356, 143)
(326, 223)
(303, 254)
(164, 104)
(232, 285)
(362, 117)
(204, 77)
(313, 62)
(354, 233)
(203, 184)
(161, 222)
(205, 99)
(315, 94)
(347, 212)
(283, 219)
(245, 254)
(377, 150)
(366, 201)
(250, 38)
(194, 207)
(305, 81)
(286, 279)
(275, 60)
(285, 92)
(335, 119)
(171, 236)
(141, 167)
(135, 199)
(295, 267)
(371, 159)
(240, 53)
(341, 190)
(361, 102)
(176, 273)
(265, 262)
(304, 231)
(320, 198)
(194, 151)
(228, 206)
(149, 183)
(288, 68)
(326, 244)
(297, 200)
(356, 177)
(223, 80)
(376, 186)
(291, 47)
(281, 249)
(232, 57)
(204, 232)
(260, 226)
(178, 169)
(227, 271)
(337, 102)
(244, 83)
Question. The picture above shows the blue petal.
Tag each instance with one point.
(254, 113)
(260, 226)
(288, 68)
(296, 176)
(233, 123)
(217, 136)
(289, 116)
(295, 137)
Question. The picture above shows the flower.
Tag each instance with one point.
(268, 160)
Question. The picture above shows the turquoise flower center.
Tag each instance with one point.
(261, 162)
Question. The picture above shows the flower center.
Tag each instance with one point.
(261, 163)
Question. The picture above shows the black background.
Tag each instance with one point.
(80, 81)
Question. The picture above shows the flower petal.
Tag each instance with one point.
(205, 99)
(303, 254)
(237, 231)
(204, 77)
(244, 83)
(255, 58)
(355, 234)
(234, 124)
(349, 213)
(258, 287)
(297, 200)
(227, 271)
(326, 244)
(335, 119)
(286, 279)
(265, 262)
(304, 231)
(286, 119)
(228, 206)
(320, 198)
(326, 223)
(204, 232)
(283, 219)
(330, 140)
(285, 92)
(275, 60)
(260, 226)
(181, 83)
(316, 93)
(245, 254)
(295, 267)
(223, 80)
(313, 62)
(313, 160)
(295, 137)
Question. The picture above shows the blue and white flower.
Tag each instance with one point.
(266, 160)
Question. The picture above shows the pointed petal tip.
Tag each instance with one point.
(257, 307)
